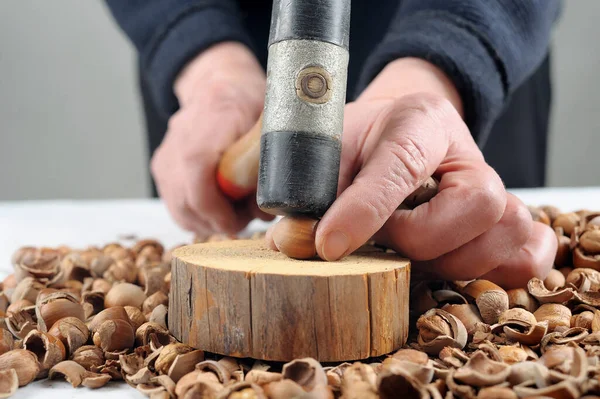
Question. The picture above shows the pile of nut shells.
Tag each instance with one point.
(99, 315)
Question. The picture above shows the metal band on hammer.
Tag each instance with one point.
(304, 106)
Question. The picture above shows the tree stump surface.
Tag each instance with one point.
(239, 298)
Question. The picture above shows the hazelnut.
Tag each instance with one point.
(45, 293)
(148, 244)
(555, 314)
(306, 372)
(8, 285)
(88, 356)
(438, 329)
(113, 313)
(45, 268)
(295, 237)
(261, 377)
(3, 302)
(57, 306)
(71, 371)
(9, 383)
(517, 314)
(468, 314)
(146, 330)
(482, 371)
(583, 319)
(512, 354)
(411, 355)
(114, 335)
(554, 280)
(283, 389)
(28, 289)
(6, 341)
(71, 331)
(243, 390)
(136, 316)
(122, 270)
(491, 300)
(48, 349)
(100, 264)
(520, 298)
(185, 363)
(584, 279)
(168, 355)
(567, 221)
(152, 277)
(158, 298)
(538, 215)
(74, 267)
(159, 316)
(21, 323)
(551, 211)
(589, 241)
(496, 393)
(124, 294)
(167, 280)
(563, 249)
(101, 285)
(17, 306)
(24, 362)
(93, 303)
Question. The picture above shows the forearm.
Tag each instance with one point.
(169, 34)
(487, 49)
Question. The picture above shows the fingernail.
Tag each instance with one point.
(335, 245)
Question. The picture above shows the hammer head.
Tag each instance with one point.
(304, 107)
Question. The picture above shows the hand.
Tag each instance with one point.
(221, 96)
(406, 127)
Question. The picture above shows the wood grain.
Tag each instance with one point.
(242, 299)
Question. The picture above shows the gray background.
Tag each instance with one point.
(72, 126)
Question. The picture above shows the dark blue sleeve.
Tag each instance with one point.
(488, 48)
(169, 33)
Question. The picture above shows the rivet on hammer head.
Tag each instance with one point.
(314, 85)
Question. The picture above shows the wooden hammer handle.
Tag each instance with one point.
(237, 173)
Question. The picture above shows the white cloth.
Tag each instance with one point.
(82, 223)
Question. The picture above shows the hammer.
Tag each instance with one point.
(291, 157)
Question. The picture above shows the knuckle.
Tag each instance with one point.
(428, 105)
(489, 199)
(176, 120)
(409, 164)
(534, 265)
(223, 96)
(155, 162)
(518, 219)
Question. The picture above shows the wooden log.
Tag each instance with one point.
(239, 298)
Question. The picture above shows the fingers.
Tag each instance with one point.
(205, 199)
(491, 249)
(534, 259)
(470, 201)
(185, 164)
(407, 142)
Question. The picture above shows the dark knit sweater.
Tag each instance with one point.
(495, 51)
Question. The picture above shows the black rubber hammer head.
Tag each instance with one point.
(301, 138)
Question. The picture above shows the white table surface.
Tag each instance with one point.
(82, 223)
